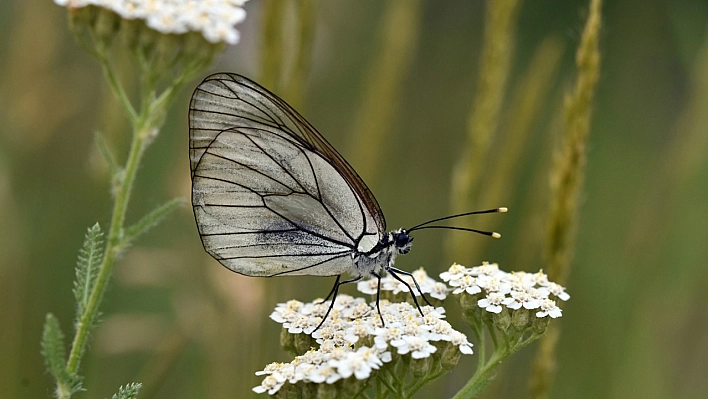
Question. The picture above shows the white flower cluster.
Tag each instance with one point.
(352, 340)
(214, 19)
(328, 365)
(427, 285)
(513, 290)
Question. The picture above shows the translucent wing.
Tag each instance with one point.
(225, 100)
(265, 202)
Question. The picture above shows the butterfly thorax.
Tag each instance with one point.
(383, 254)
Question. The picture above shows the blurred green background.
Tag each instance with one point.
(175, 320)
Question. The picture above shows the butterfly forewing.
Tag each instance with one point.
(267, 201)
(223, 101)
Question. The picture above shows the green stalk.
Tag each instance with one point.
(482, 377)
(143, 125)
(481, 344)
(422, 382)
(113, 246)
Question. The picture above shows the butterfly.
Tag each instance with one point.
(272, 197)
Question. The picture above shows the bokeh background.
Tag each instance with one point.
(175, 320)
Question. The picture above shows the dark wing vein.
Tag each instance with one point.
(259, 172)
(286, 255)
(309, 266)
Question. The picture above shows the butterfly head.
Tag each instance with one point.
(402, 241)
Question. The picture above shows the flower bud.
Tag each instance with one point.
(520, 319)
(106, 27)
(326, 391)
(540, 324)
(145, 44)
(81, 19)
(167, 49)
(502, 320)
(303, 343)
(307, 389)
(288, 391)
(351, 387)
(468, 302)
(421, 367)
(287, 340)
(450, 356)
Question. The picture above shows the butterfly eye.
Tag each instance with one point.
(402, 239)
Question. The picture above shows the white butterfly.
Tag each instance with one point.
(272, 197)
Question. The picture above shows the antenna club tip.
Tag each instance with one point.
(503, 209)
(496, 235)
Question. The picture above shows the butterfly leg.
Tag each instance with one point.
(335, 291)
(378, 297)
(414, 282)
(397, 277)
(336, 284)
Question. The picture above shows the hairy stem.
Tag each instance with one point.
(482, 377)
(113, 246)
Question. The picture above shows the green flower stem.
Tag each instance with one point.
(115, 85)
(144, 125)
(481, 344)
(113, 247)
(485, 372)
(383, 380)
(421, 383)
(482, 377)
(493, 334)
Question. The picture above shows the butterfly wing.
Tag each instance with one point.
(227, 100)
(266, 200)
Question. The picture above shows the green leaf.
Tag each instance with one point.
(54, 353)
(53, 349)
(107, 154)
(150, 220)
(129, 392)
(87, 266)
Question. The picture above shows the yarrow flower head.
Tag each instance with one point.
(216, 20)
(344, 343)
(352, 344)
(495, 290)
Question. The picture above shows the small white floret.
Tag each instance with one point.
(549, 308)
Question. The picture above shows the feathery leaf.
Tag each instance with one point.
(54, 353)
(150, 220)
(90, 256)
(129, 392)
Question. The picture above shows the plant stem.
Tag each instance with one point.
(142, 127)
(482, 377)
(481, 344)
(422, 382)
(113, 246)
(387, 384)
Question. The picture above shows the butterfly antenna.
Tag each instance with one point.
(492, 234)
(459, 215)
